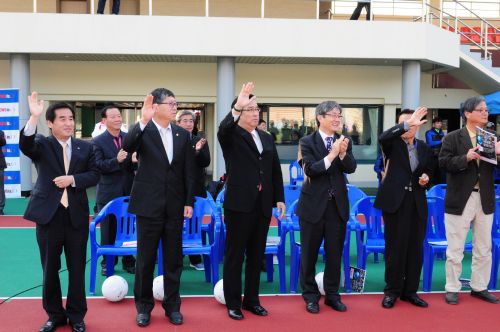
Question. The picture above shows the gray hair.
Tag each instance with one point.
(182, 113)
(326, 107)
(470, 104)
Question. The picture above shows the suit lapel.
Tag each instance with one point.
(75, 155)
(58, 151)
(320, 144)
(154, 133)
(249, 139)
(176, 142)
(466, 141)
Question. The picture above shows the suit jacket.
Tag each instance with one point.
(318, 180)
(398, 172)
(202, 160)
(116, 178)
(160, 188)
(462, 176)
(247, 169)
(47, 155)
(3, 164)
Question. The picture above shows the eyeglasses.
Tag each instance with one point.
(171, 104)
(333, 116)
(252, 109)
(187, 121)
(481, 110)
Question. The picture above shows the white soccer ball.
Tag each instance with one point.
(114, 288)
(319, 281)
(158, 292)
(219, 292)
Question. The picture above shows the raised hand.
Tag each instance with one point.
(36, 106)
(200, 144)
(147, 110)
(244, 96)
(497, 146)
(416, 117)
(344, 143)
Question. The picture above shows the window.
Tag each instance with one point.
(287, 124)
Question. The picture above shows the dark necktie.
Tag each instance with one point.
(329, 145)
(118, 142)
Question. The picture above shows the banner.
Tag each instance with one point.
(9, 124)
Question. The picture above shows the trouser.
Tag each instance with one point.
(359, 8)
(114, 10)
(457, 227)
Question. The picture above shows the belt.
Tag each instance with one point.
(475, 189)
(408, 188)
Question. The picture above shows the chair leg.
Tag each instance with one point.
(282, 270)
(93, 271)
(160, 260)
(110, 265)
(294, 269)
(375, 258)
(346, 262)
(427, 275)
(206, 265)
(269, 267)
(495, 257)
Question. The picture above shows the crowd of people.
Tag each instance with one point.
(161, 164)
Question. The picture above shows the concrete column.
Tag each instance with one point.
(410, 96)
(20, 79)
(225, 96)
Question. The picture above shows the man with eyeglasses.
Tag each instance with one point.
(161, 197)
(254, 185)
(323, 206)
(186, 119)
(470, 200)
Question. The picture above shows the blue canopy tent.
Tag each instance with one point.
(493, 102)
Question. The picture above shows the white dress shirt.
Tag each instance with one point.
(166, 137)
(254, 133)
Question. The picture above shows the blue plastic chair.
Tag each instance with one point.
(275, 246)
(295, 249)
(439, 190)
(495, 246)
(296, 173)
(355, 194)
(192, 243)
(374, 241)
(126, 232)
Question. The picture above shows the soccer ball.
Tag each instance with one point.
(158, 292)
(114, 288)
(219, 292)
(319, 281)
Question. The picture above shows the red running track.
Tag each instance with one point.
(287, 313)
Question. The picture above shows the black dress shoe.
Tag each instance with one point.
(388, 301)
(175, 318)
(415, 300)
(336, 305)
(255, 309)
(485, 296)
(312, 307)
(235, 314)
(129, 269)
(78, 327)
(451, 298)
(50, 326)
(142, 319)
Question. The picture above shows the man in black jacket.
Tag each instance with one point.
(59, 206)
(186, 119)
(254, 185)
(401, 197)
(470, 199)
(117, 174)
(161, 197)
(323, 206)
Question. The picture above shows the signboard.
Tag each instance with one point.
(9, 123)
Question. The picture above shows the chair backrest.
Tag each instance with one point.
(191, 232)
(354, 194)
(219, 201)
(435, 219)
(125, 222)
(296, 172)
(495, 229)
(292, 193)
(439, 190)
(292, 218)
(372, 215)
(497, 189)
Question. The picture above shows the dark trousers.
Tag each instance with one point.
(246, 233)
(149, 233)
(2, 191)
(404, 233)
(108, 236)
(332, 230)
(359, 8)
(114, 10)
(52, 238)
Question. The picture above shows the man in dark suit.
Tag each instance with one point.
(323, 206)
(470, 200)
(60, 208)
(254, 185)
(401, 197)
(186, 119)
(117, 174)
(161, 197)
(3, 166)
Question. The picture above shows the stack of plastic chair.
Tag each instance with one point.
(495, 246)
(295, 249)
(373, 241)
(219, 209)
(353, 225)
(467, 32)
(435, 242)
(125, 242)
(192, 243)
(439, 190)
(275, 246)
(296, 173)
